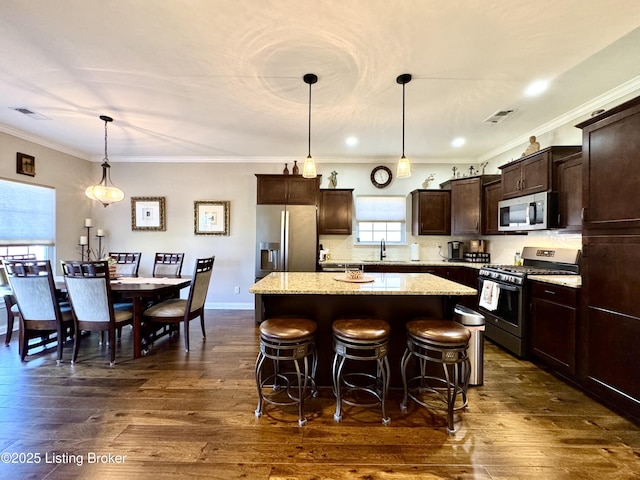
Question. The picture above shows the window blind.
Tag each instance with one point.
(27, 213)
(371, 208)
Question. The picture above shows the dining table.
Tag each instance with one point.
(140, 290)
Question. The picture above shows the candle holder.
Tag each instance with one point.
(88, 242)
(99, 253)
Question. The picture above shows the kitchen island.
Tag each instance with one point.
(326, 296)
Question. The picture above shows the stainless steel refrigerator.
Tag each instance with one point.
(286, 239)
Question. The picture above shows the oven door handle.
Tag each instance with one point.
(508, 287)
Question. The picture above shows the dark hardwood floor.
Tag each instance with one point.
(176, 415)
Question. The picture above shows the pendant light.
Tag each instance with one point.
(105, 191)
(404, 167)
(309, 167)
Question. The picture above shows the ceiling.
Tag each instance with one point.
(220, 80)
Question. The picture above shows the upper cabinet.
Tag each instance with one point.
(569, 185)
(533, 173)
(287, 190)
(431, 212)
(336, 211)
(467, 201)
(492, 195)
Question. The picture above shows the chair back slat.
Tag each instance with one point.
(168, 264)
(200, 283)
(127, 263)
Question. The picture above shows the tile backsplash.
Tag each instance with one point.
(501, 247)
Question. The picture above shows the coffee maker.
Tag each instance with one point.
(455, 251)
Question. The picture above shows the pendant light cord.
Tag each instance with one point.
(309, 120)
(403, 85)
(106, 157)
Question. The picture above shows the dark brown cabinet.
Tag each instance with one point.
(568, 173)
(287, 190)
(492, 195)
(336, 211)
(467, 198)
(554, 311)
(431, 212)
(533, 173)
(609, 307)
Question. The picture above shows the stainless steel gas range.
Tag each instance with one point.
(503, 293)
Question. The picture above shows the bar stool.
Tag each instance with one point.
(360, 339)
(287, 339)
(442, 342)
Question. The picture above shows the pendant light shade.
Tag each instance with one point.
(309, 167)
(404, 167)
(105, 191)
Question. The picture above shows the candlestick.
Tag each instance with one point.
(88, 222)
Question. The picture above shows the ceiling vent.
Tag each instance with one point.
(499, 116)
(30, 113)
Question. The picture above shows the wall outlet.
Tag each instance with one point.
(236, 289)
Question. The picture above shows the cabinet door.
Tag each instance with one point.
(553, 326)
(611, 151)
(272, 190)
(511, 177)
(610, 319)
(570, 193)
(336, 207)
(302, 191)
(536, 173)
(431, 212)
(466, 196)
(492, 195)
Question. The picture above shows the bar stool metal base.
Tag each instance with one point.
(360, 389)
(292, 386)
(447, 392)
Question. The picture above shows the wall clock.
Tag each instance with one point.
(381, 176)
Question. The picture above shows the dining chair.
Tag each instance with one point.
(89, 288)
(127, 263)
(176, 310)
(168, 264)
(40, 312)
(9, 300)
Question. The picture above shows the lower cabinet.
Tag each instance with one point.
(553, 325)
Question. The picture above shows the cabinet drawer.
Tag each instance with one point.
(555, 293)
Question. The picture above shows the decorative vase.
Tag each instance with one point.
(286, 170)
(112, 271)
(296, 170)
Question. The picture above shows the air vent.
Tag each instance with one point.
(30, 113)
(499, 116)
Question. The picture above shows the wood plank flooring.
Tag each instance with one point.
(175, 415)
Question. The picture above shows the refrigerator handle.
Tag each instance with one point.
(285, 240)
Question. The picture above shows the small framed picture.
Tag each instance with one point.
(25, 164)
(211, 217)
(147, 214)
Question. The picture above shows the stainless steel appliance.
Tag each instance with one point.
(503, 293)
(455, 251)
(286, 239)
(538, 211)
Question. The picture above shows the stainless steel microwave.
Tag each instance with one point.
(538, 211)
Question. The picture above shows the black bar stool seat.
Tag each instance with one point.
(441, 342)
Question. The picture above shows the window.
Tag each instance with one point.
(381, 218)
(28, 214)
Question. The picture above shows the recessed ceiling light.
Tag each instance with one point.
(536, 88)
(458, 142)
(351, 141)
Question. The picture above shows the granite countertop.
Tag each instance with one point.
(572, 281)
(416, 263)
(324, 283)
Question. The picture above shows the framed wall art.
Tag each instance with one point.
(25, 164)
(211, 217)
(147, 214)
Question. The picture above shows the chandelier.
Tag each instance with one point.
(105, 191)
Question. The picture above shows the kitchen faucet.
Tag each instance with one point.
(383, 249)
